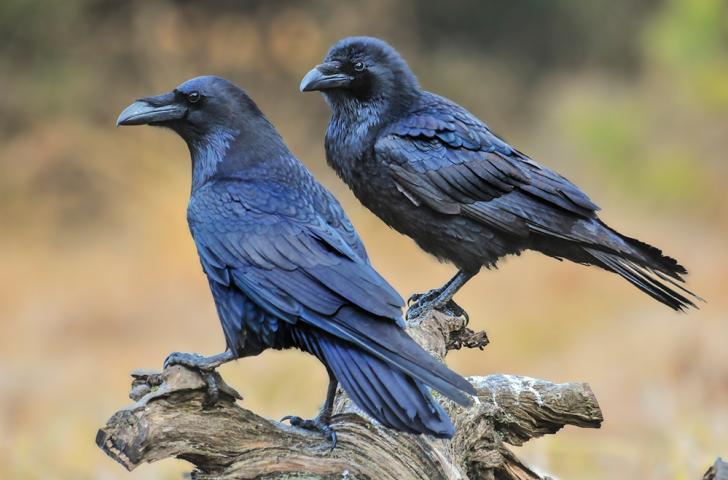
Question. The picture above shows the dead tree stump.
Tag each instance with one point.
(227, 441)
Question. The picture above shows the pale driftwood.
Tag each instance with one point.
(227, 441)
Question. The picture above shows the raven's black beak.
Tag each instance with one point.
(152, 110)
(325, 77)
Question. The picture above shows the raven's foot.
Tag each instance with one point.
(317, 424)
(420, 304)
(205, 366)
(428, 296)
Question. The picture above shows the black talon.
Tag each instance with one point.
(213, 389)
(190, 360)
(440, 299)
(322, 422)
(419, 309)
(317, 425)
(330, 434)
(206, 368)
(452, 308)
(419, 298)
(413, 298)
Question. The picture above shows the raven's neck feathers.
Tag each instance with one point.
(236, 151)
(207, 152)
(355, 124)
(371, 111)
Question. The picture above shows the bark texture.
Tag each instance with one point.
(227, 441)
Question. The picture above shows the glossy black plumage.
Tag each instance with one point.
(287, 269)
(433, 171)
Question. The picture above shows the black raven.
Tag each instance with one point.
(285, 266)
(431, 170)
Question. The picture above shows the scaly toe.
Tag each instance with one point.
(329, 432)
(452, 308)
(315, 425)
(213, 389)
(197, 362)
(299, 422)
(418, 311)
(420, 298)
(414, 298)
(191, 360)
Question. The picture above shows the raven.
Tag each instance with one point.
(434, 172)
(287, 269)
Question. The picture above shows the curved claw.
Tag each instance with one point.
(315, 424)
(330, 434)
(417, 298)
(416, 312)
(213, 389)
(455, 310)
(422, 307)
(197, 362)
(413, 298)
(191, 360)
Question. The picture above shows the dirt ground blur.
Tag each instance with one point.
(99, 275)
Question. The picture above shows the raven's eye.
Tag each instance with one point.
(194, 97)
(359, 67)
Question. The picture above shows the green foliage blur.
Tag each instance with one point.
(99, 276)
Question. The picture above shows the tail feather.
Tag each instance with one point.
(369, 394)
(676, 284)
(393, 398)
(391, 345)
(641, 264)
(658, 260)
(648, 274)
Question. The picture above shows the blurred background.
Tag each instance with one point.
(99, 275)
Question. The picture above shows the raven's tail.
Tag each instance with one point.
(645, 267)
(393, 398)
(387, 384)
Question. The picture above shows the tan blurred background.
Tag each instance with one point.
(99, 276)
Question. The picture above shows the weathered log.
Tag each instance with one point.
(226, 441)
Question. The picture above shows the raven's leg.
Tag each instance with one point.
(322, 422)
(205, 365)
(440, 298)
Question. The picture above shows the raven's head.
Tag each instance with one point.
(195, 109)
(210, 114)
(363, 69)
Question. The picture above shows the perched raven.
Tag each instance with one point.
(431, 170)
(286, 267)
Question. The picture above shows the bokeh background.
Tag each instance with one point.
(98, 274)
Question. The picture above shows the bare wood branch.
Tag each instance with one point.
(227, 441)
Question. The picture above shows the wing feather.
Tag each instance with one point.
(443, 158)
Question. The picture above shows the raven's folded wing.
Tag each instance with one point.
(286, 250)
(443, 157)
